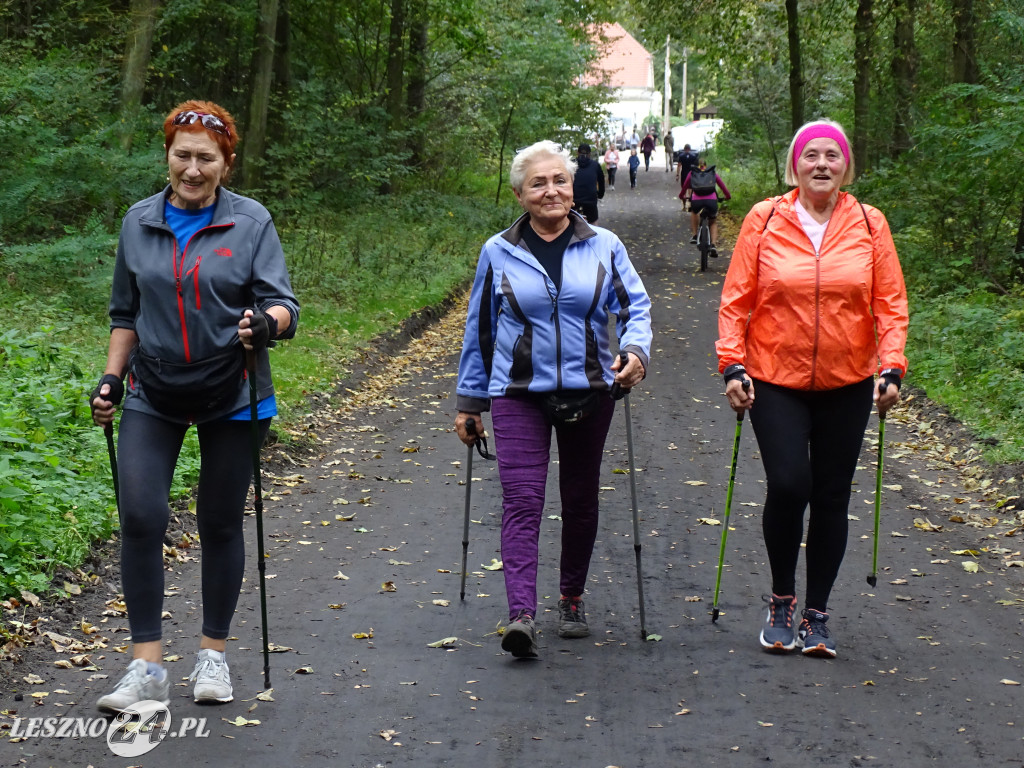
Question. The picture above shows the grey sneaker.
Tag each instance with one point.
(815, 636)
(572, 619)
(777, 635)
(212, 678)
(136, 685)
(520, 638)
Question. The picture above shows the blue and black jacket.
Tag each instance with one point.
(525, 336)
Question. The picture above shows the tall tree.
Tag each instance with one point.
(904, 74)
(965, 53)
(796, 75)
(142, 22)
(263, 53)
(416, 91)
(863, 33)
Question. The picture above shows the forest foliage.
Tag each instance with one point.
(379, 133)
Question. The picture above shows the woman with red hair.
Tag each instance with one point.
(199, 280)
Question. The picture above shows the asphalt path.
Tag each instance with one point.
(363, 557)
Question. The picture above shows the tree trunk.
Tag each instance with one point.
(796, 76)
(965, 53)
(862, 82)
(904, 74)
(416, 95)
(136, 62)
(256, 136)
(1019, 245)
(504, 143)
(283, 59)
(394, 75)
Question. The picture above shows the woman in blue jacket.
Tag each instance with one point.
(536, 348)
(199, 275)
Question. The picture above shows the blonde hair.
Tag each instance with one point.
(791, 178)
(528, 155)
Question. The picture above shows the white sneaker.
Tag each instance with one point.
(213, 678)
(137, 685)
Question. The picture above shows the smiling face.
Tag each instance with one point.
(547, 193)
(196, 167)
(820, 168)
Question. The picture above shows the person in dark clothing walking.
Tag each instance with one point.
(647, 147)
(587, 185)
(686, 161)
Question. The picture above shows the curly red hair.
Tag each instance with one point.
(226, 143)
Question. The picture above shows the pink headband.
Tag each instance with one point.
(819, 131)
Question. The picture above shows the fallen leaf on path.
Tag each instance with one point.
(389, 586)
(389, 734)
(304, 671)
(970, 566)
(362, 635)
(266, 695)
(442, 603)
(496, 565)
(1006, 681)
(971, 552)
(241, 721)
(694, 482)
(33, 679)
(341, 576)
(708, 521)
(445, 642)
(275, 648)
(924, 524)
(654, 638)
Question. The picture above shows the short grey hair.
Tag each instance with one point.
(528, 155)
(791, 168)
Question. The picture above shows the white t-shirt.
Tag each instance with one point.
(814, 230)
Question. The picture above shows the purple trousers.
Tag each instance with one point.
(522, 438)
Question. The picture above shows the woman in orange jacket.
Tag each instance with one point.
(813, 306)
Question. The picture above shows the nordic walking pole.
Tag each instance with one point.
(250, 364)
(728, 505)
(470, 429)
(873, 577)
(108, 432)
(620, 392)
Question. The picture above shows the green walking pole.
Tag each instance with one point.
(873, 577)
(250, 364)
(728, 507)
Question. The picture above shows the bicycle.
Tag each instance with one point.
(704, 238)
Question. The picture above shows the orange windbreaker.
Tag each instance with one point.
(807, 320)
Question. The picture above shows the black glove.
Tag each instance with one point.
(116, 393)
(264, 329)
(734, 371)
(892, 377)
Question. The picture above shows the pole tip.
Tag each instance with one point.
(714, 615)
(872, 580)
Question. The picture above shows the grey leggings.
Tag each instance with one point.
(148, 449)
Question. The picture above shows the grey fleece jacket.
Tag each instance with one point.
(185, 303)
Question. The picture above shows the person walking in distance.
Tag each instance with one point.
(536, 353)
(587, 184)
(647, 147)
(199, 275)
(813, 308)
(611, 162)
(634, 166)
(686, 161)
(669, 144)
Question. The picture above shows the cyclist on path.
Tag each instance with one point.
(701, 184)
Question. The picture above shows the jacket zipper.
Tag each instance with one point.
(179, 272)
(558, 342)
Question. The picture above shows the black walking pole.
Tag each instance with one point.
(873, 577)
(728, 505)
(480, 443)
(108, 431)
(470, 429)
(620, 392)
(250, 364)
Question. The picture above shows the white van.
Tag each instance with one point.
(699, 134)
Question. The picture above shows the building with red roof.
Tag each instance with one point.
(626, 67)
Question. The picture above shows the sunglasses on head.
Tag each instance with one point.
(210, 122)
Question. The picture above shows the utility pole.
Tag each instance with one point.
(666, 111)
(682, 104)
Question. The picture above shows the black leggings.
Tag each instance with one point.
(148, 449)
(809, 444)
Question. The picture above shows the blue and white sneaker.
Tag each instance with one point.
(815, 637)
(777, 633)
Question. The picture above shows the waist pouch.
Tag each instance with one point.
(570, 406)
(190, 389)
